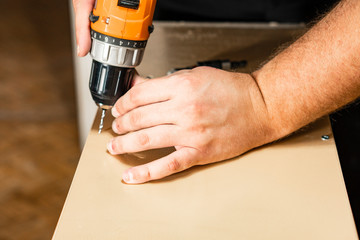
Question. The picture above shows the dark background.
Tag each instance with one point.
(242, 10)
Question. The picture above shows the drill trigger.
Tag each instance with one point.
(93, 18)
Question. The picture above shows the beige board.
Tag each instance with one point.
(291, 189)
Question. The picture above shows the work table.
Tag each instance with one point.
(291, 189)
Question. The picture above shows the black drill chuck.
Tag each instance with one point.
(108, 83)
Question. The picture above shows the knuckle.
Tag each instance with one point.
(134, 96)
(189, 162)
(141, 173)
(187, 81)
(117, 146)
(187, 84)
(174, 165)
(146, 174)
(134, 119)
(183, 81)
(143, 139)
(195, 110)
(203, 142)
(119, 107)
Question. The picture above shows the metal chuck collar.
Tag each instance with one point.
(113, 66)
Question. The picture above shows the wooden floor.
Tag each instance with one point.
(39, 145)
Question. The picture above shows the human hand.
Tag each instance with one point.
(208, 115)
(82, 10)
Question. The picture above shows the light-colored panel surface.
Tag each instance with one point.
(292, 189)
(289, 190)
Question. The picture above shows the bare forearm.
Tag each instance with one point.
(317, 74)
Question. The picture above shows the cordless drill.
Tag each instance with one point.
(119, 31)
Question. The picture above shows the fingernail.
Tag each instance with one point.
(110, 147)
(128, 177)
(114, 127)
(77, 50)
(114, 112)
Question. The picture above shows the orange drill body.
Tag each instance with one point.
(119, 31)
(121, 22)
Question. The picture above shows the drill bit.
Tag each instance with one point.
(102, 120)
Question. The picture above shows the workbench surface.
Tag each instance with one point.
(291, 189)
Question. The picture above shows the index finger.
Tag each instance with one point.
(144, 92)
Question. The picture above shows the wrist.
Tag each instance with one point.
(273, 118)
(265, 130)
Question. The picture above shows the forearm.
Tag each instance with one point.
(317, 74)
